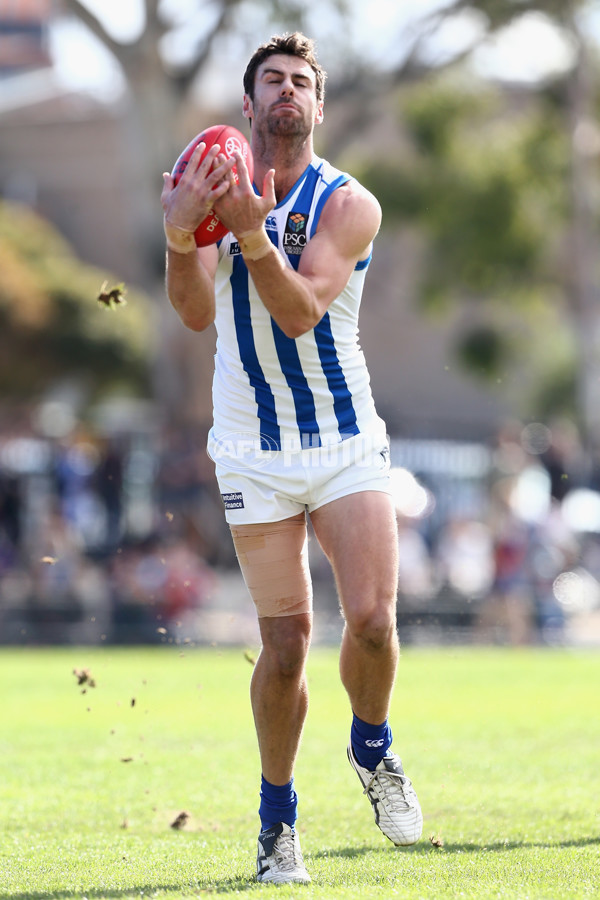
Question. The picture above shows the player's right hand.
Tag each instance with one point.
(186, 204)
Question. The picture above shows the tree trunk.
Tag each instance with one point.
(583, 274)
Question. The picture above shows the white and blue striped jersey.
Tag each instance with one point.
(309, 391)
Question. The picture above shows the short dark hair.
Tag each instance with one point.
(296, 44)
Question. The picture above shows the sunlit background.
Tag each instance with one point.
(476, 125)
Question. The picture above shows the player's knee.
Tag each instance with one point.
(286, 642)
(373, 624)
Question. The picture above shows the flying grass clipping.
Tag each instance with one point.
(112, 297)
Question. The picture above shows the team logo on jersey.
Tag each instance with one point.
(271, 223)
(294, 237)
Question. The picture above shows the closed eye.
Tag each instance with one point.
(275, 76)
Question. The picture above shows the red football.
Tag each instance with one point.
(229, 139)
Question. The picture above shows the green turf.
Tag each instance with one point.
(503, 747)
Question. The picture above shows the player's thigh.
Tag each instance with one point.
(358, 534)
(273, 558)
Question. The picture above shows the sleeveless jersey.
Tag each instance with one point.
(308, 391)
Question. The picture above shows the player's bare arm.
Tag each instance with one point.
(297, 300)
(190, 286)
(190, 272)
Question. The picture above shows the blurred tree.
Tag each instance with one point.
(161, 83)
(503, 181)
(484, 176)
(581, 102)
(51, 323)
(162, 69)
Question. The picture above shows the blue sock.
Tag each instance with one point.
(370, 742)
(278, 803)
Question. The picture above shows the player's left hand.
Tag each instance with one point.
(241, 209)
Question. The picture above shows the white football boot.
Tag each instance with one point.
(393, 798)
(279, 859)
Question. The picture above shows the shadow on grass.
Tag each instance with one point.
(426, 847)
(238, 885)
(223, 886)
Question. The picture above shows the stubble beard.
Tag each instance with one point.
(289, 126)
(274, 133)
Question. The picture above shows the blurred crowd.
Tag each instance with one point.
(513, 554)
(116, 538)
(120, 536)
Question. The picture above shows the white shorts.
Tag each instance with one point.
(267, 486)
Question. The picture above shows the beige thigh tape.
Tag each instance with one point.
(273, 558)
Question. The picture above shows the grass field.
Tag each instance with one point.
(502, 745)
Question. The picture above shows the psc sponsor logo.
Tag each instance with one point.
(294, 237)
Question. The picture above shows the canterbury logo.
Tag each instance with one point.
(375, 744)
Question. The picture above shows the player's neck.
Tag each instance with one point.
(288, 157)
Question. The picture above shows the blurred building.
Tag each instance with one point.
(23, 35)
(61, 153)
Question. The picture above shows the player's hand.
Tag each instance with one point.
(241, 209)
(202, 183)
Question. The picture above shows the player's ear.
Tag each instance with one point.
(247, 110)
(319, 113)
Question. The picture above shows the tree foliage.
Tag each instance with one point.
(484, 177)
(51, 323)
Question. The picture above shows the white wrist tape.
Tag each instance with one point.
(254, 244)
(179, 239)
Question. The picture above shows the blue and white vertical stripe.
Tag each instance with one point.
(311, 390)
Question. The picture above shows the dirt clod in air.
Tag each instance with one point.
(180, 820)
(84, 676)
